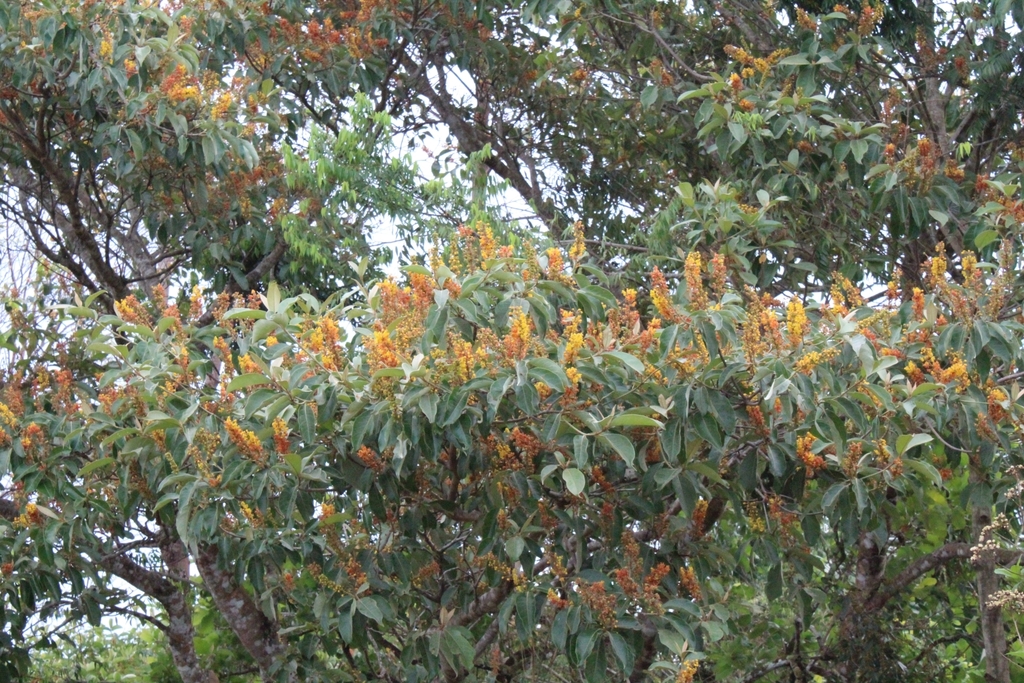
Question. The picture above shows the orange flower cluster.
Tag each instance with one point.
(505, 459)
(131, 310)
(689, 584)
(381, 351)
(762, 329)
(246, 441)
(180, 86)
(804, 454)
(520, 336)
(601, 603)
(650, 597)
(870, 16)
(626, 583)
(252, 515)
(426, 573)
(9, 422)
(370, 459)
(805, 21)
(558, 602)
(248, 365)
(719, 274)
(33, 439)
(688, 671)
(574, 338)
(661, 298)
(699, 519)
(466, 360)
(756, 416)
(851, 459)
(761, 64)
(845, 294)
(326, 341)
(281, 442)
(754, 518)
(29, 518)
(556, 266)
(488, 245)
(957, 372)
(996, 398)
(394, 301)
(693, 268)
(806, 364)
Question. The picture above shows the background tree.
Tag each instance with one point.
(695, 425)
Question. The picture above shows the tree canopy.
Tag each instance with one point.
(738, 398)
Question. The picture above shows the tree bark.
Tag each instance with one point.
(993, 630)
(257, 632)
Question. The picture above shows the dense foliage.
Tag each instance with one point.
(738, 401)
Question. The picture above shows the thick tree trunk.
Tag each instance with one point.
(993, 630)
(257, 632)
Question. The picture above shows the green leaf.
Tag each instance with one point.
(649, 96)
(549, 372)
(368, 608)
(795, 60)
(985, 238)
(622, 446)
(514, 548)
(428, 404)
(940, 216)
(307, 423)
(95, 465)
(575, 481)
(457, 648)
(623, 652)
(294, 461)
(925, 469)
(629, 360)
(247, 380)
(634, 420)
(907, 441)
(244, 314)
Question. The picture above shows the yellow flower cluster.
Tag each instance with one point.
(222, 106)
(131, 310)
(579, 245)
(937, 266)
(661, 298)
(754, 518)
(574, 338)
(382, 352)
(694, 269)
(488, 245)
(517, 341)
(688, 670)
(796, 321)
(467, 360)
(807, 363)
(252, 515)
(9, 421)
(246, 441)
(248, 365)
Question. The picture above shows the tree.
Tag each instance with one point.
(787, 424)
